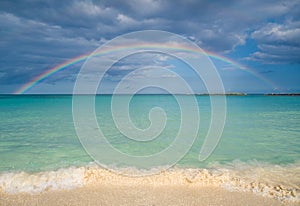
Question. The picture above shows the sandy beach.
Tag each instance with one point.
(141, 195)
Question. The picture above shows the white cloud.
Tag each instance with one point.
(287, 33)
(278, 43)
(146, 7)
(87, 8)
(125, 20)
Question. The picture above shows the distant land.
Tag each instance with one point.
(198, 94)
(284, 94)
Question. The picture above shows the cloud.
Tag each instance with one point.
(217, 26)
(278, 43)
(37, 35)
(146, 62)
(30, 47)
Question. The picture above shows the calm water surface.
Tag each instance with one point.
(37, 132)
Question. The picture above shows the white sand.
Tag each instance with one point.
(140, 195)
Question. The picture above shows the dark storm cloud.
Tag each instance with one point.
(37, 35)
(217, 25)
(29, 47)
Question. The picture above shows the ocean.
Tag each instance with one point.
(260, 141)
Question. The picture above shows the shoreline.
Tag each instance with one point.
(126, 94)
(264, 185)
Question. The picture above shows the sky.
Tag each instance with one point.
(255, 44)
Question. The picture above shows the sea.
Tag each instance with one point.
(259, 149)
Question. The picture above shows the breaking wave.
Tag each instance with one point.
(276, 181)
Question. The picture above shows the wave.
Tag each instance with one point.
(69, 178)
(280, 182)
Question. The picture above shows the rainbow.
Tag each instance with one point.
(36, 80)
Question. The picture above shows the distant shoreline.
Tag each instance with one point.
(204, 94)
(292, 94)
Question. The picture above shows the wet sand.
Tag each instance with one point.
(140, 195)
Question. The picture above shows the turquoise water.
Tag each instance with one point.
(37, 132)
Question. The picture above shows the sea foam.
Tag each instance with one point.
(43, 181)
(280, 182)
